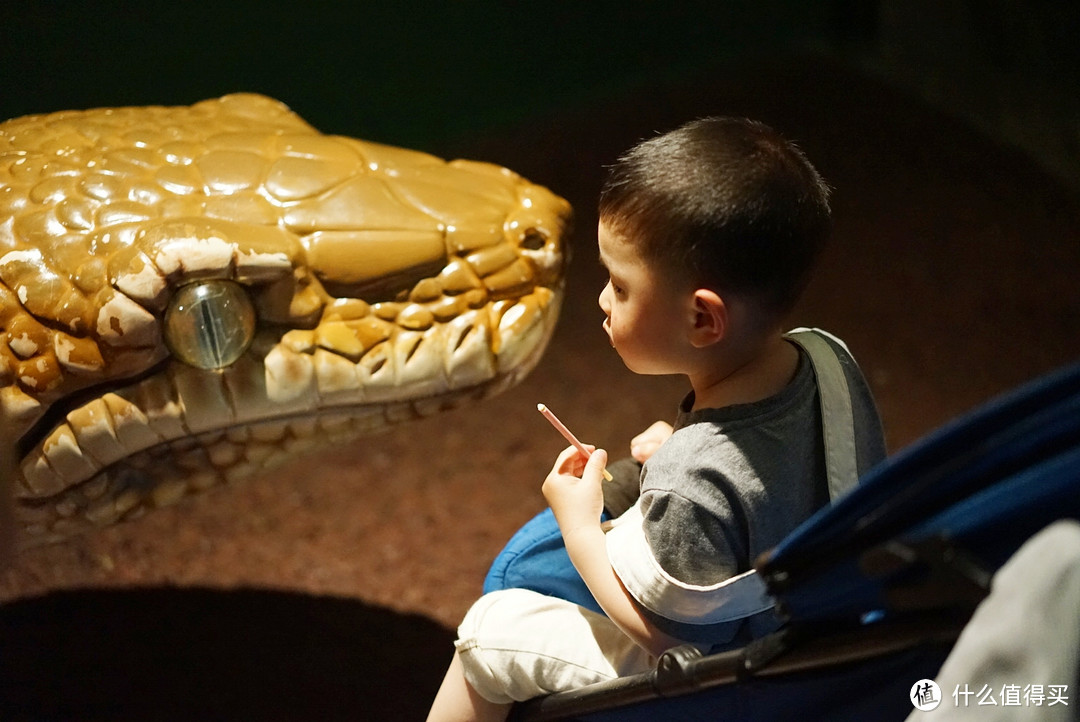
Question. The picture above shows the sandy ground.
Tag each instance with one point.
(330, 588)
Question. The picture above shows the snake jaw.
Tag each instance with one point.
(387, 285)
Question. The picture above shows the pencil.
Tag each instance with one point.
(561, 428)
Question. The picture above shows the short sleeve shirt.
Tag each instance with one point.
(728, 485)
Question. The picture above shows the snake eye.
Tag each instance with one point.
(209, 324)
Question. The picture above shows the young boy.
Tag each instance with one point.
(708, 234)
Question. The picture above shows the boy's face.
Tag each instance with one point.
(646, 313)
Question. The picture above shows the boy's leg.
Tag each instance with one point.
(457, 701)
(516, 644)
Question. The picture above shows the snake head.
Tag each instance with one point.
(190, 295)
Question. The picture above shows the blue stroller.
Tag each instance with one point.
(875, 589)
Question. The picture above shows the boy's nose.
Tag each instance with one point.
(605, 304)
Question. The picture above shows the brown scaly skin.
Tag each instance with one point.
(386, 284)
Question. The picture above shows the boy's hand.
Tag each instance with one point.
(573, 491)
(648, 441)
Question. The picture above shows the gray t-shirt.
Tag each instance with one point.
(732, 482)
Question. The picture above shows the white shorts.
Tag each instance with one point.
(515, 644)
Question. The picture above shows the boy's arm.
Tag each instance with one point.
(577, 502)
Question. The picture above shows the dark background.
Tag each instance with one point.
(330, 588)
(427, 74)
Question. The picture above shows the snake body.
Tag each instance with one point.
(189, 295)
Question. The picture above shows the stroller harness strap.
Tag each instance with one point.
(837, 418)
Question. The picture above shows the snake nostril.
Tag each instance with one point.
(533, 239)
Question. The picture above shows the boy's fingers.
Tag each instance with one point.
(596, 463)
(570, 461)
(565, 455)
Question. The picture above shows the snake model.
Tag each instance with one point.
(189, 295)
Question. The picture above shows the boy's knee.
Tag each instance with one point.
(483, 660)
(515, 644)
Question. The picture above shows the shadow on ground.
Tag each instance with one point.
(188, 654)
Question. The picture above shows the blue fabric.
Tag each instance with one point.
(535, 558)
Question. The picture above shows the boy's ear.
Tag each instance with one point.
(711, 316)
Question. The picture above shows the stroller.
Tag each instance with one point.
(875, 589)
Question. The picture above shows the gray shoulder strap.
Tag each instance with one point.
(837, 419)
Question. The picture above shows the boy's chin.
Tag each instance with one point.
(642, 368)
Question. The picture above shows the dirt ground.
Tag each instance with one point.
(330, 588)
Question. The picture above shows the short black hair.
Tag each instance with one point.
(726, 203)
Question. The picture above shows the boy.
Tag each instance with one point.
(708, 234)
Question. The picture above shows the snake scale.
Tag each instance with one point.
(189, 295)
